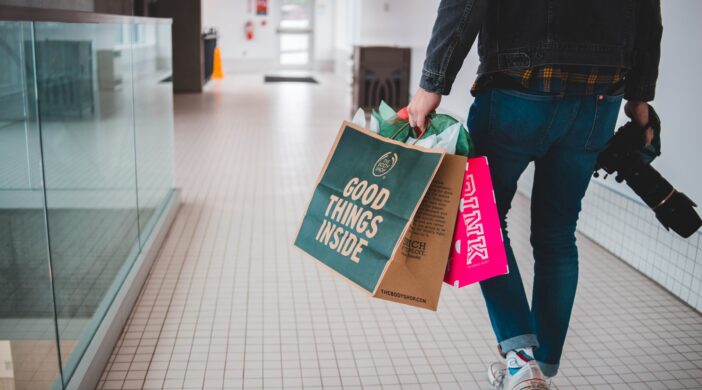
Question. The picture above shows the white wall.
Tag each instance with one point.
(229, 18)
(346, 32)
(324, 16)
(239, 54)
(396, 22)
(346, 25)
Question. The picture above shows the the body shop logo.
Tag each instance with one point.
(384, 164)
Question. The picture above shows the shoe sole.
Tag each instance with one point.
(525, 385)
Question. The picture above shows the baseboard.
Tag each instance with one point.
(88, 372)
(324, 65)
(74, 198)
(266, 65)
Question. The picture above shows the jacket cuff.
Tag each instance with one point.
(644, 93)
(432, 82)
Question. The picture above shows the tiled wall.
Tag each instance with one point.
(629, 229)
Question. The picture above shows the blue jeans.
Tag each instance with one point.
(562, 135)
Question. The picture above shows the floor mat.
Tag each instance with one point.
(290, 79)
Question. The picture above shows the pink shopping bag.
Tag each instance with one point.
(478, 251)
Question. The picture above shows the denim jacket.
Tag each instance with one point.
(519, 34)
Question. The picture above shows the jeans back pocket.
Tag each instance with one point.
(521, 118)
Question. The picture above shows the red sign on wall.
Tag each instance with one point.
(262, 7)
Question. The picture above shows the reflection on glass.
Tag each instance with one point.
(296, 14)
(153, 123)
(86, 112)
(28, 348)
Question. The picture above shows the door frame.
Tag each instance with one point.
(309, 31)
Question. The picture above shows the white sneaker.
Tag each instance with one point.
(496, 374)
(528, 377)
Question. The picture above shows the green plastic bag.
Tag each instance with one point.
(392, 126)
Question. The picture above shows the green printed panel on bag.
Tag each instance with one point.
(362, 204)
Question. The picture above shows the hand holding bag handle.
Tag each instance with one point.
(404, 115)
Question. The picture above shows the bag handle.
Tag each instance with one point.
(419, 135)
(399, 130)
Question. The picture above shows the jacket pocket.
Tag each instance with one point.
(521, 118)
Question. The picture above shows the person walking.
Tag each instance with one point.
(550, 85)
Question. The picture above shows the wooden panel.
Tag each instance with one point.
(188, 54)
(381, 73)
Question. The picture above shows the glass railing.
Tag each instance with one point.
(86, 168)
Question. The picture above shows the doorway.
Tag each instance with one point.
(296, 34)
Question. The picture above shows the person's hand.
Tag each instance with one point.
(423, 103)
(638, 112)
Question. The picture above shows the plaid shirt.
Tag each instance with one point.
(560, 79)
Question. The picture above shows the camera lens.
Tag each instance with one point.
(678, 213)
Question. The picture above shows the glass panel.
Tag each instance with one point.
(294, 49)
(153, 111)
(294, 42)
(28, 347)
(86, 110)
(294, 28)
(296, 14)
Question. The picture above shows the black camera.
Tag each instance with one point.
(628, 156)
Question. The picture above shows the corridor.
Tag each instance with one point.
(230, 304)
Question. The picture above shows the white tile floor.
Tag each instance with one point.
(229, 304)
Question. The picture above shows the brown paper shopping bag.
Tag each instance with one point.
(382, 215)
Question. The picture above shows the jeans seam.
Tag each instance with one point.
(491, 113)
(592, 129)
(550, 123)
